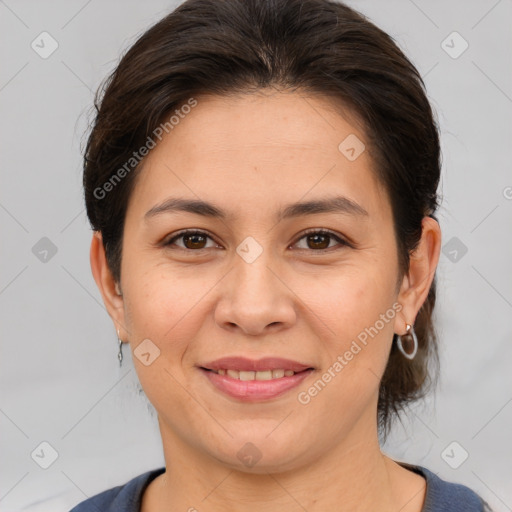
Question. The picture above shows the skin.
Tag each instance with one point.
(251, 155)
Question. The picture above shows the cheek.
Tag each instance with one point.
(352, 314)
(164, 309)
(355, 319)
(348, 299)
(166, 306)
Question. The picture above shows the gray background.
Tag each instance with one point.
(60, 378)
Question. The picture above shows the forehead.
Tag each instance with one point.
(272, 120)
(252, 149)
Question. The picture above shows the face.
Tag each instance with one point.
(259, 278)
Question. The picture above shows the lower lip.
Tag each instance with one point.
(255, 390)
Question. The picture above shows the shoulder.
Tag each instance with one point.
(442, 495)
(125, 497)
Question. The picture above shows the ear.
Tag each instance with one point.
(416, 283)
(109, 289)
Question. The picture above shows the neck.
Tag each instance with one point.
(354, 476)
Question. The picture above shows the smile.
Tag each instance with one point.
(261, 375)
(251, 386)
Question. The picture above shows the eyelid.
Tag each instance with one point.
(183, 232)
(323, 231)
(340, 239)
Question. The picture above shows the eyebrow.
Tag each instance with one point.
(338, 204)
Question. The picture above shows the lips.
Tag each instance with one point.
(261, 375)
(249, 380)
(242, 364)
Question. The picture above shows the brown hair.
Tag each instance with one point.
(237, 46)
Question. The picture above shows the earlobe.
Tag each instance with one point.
(422, 266)
(108, 287)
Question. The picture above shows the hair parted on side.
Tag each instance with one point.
(229, 47)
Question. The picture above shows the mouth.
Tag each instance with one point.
(252, 375)
(255, 381)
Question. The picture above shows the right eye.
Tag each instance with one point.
(193, 240)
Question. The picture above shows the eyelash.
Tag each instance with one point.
(331, 234)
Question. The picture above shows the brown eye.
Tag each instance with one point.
(192, 240)
(320, 240)
(316, 240)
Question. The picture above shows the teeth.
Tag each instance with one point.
(234, 374)
(266, 375)
(262, 375)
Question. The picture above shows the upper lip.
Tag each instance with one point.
(245, 364)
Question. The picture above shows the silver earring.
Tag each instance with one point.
(120, 353)
(410, 333)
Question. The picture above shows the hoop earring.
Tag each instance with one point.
(120, 353)
(410, 332)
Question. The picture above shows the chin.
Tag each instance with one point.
(258, 454)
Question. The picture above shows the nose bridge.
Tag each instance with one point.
(256, 297)
(254, 280)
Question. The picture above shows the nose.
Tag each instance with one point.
(255, 298)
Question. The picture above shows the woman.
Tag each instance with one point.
(262, 181)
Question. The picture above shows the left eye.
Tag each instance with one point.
(191, 239)
(317, 240)
(320, 240)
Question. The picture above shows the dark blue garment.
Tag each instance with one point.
(441, 496)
